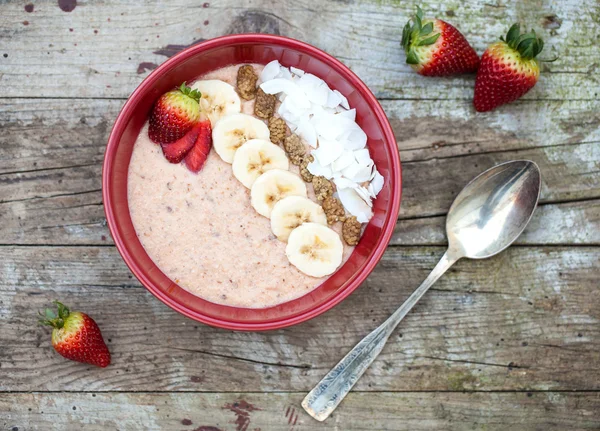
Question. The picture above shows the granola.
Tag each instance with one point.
(278, 129)
(295, 149)
(334, 210)
(304, 173)
(246, 82)
(264, 106)
(351, 230)
(323, 188)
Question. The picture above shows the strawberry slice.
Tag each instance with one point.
(176, 151)
(196, 157)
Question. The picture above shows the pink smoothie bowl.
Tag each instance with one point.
(239, 49)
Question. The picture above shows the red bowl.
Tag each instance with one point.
(211, 55)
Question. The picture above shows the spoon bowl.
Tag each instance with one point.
(493, 209)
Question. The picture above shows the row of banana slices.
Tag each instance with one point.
(276, 193)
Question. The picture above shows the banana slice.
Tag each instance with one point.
(233, 131)
(218, 99)
(271, 187)
(314, 249)
(256, 157)
(291, 212)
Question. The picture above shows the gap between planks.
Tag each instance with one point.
(523, 391)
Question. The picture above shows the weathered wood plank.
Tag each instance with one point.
(572, 223)
(78, 219)
(274, 412)
(52, 133)
(527, 319)
(51, 186)
(569, 172)
(113, 43)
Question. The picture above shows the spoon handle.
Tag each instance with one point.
(331, 390)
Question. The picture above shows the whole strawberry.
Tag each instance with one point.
(174, 114)
(436, 48)
(508, 69)
(76, 336)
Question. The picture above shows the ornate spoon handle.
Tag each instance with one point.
(331, 390)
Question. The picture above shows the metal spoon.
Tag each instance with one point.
(484, 219)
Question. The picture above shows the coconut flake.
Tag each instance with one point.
(344, 101)
(296, 71)
(364, 194)
(316, 168)
(270, 71)
(327, 152)
(363, 174)
(343, 161)
(371, 191)
(343, 183)
(325, 127)
(284, 73)
(363, 156)
(278, 85)
(364, 218)
(315, 88)
(349, 114)
(290, 89)
(355, 205)
(377, 182)
(307, 132)
(355, 139)
(352, 170)
(333, 99)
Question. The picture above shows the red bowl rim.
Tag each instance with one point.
(395, 174)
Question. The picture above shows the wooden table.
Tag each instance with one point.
(511, 342)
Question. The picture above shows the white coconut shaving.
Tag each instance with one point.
(323, 119)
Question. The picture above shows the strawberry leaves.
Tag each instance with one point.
(529, 45)
(194, 94)
(56, 320)
(416, 34)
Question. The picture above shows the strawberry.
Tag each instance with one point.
(508, 69)
(436, 48)
(76, 336)
(196, 158)
(174, 114)
(176, 151)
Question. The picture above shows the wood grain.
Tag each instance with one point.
(113, 44)
(281, 412)
(54, 133)
(524, 320)
(574, 223)
(52, 152)
(569, 172)
(78, 219)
